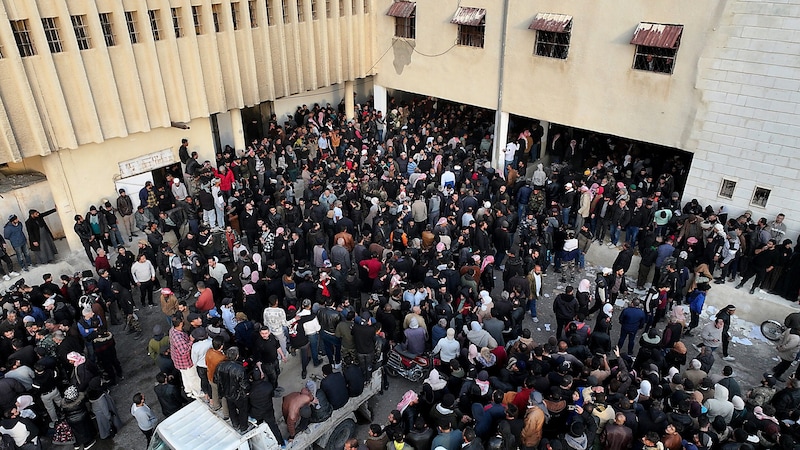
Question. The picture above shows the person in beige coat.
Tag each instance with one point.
(787, 348)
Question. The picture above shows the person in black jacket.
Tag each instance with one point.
(169, 396)
(364, 338)
(565, 307)
(334, 386)
(354, 379)
(261, 406)
(234, 384)
(84, 232)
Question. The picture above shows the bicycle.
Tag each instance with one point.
(772, 329)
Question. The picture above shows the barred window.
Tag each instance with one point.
(285, 10)
(216, 14)
(155, 23)
(341, 8)
(328, 9)
(471, 36)
(197, 18)
(252, 6)
(235, 14)
(176, 22)
(656, 46)
(301, 17)
(81, 32)
(270, 17)
(50, 25)
(405, 27)
(655, 59)
(552, 44)
(314, 10)
(22, 35)
(354, 9)
(108, 29)
(133, 26)
(366, 6)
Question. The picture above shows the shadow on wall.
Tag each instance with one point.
(23, 192)
(402, 49)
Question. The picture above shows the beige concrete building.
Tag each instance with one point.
(88, 84)
(85, 84)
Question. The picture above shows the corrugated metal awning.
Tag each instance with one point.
(558, 23)
(402, 9)
(469, 16)
(657, 35)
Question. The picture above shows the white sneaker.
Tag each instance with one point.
(611, 245)
(728, 358)
(14, 274)
(536, 319)
(6, 277)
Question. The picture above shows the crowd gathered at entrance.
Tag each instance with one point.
(342, 241)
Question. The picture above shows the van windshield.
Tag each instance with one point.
(156, 443)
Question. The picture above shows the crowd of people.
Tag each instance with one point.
(336, 240)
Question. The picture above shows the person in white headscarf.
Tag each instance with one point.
(480, 337)
(435, 381)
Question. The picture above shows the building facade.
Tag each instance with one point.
(718, 79)
(87, 84)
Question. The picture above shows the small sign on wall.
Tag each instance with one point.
(760, 196)
(146, 163)
(726, 188)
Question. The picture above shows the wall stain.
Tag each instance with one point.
(403, 50)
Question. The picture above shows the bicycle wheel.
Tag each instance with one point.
(771, 330)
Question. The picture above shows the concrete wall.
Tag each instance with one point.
(747, 126)
(35, 196)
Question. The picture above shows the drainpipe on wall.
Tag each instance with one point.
(501, 118)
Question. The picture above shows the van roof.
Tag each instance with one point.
(196, 426)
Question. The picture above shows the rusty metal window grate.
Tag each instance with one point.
(405, 27)
(552, 44)
(471, 36)
(654, 59)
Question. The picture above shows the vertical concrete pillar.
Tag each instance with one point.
(500, 140)
(349, 103)
(239, 143)
(381, 101)
(62, 197)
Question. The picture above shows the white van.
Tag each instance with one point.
(195, 426)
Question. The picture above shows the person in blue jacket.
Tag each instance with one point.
(632, 319)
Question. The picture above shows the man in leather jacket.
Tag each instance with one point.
(234, 385)
(329, 318)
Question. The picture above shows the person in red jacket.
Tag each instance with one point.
(205, 302)
(226, 180)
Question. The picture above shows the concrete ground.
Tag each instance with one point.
(753, 354)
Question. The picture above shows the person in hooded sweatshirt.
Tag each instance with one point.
(480, 337)
(719, 405)
(448, 347)
(576, 438)
(416, 337)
